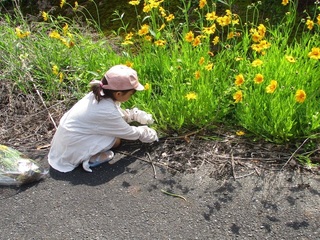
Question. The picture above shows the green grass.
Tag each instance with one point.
(193, 82)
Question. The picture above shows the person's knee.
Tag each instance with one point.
(117, 143)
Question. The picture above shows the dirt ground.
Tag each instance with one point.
(230, 187)
(28, 125)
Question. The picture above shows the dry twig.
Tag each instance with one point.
(145, 160)
(294, 153)
(41, 98)
(232, 166)
(153, 167)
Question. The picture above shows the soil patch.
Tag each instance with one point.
(28, 125)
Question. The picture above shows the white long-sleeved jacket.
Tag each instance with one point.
(88, 128)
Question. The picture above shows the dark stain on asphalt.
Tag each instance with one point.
(228, 187)
(152, 187)
(267, 227)
(291, 200)
(296, 225)
(225, 199)
(269, 205)
(183, 189)
(273, 219)
(207, 216)
(126, 184)
(257, 189)
(235, 229)
(169, 182)
(314, 191)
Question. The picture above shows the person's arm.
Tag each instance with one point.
(136, 115)
(118, 127)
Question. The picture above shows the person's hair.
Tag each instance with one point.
(107, 93)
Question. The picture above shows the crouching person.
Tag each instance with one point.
(97, 123)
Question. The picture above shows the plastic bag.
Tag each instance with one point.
(16, 169)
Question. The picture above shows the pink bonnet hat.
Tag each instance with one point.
(121, 77)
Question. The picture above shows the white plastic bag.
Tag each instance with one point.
(16, 169)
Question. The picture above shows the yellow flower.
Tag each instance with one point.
(240, 133)
(154, 3)
(211, 16)
(202, 3)
(224, 21)
(262, 45)
(209, 30)
(197, 74)
(191, 96)
(262, 30)
(256, 63)
(160, 42)
(65, 42)
(209, 67)
(265, 44)
(196, 42)
(162, 11)
(315, 53)
(238, 96)
(144, 30)
(290, 59)
(318, 19)
(127, 43)
(146, 8)
(258, 78)
(235, 21)
(76, 5)
(148, 38)
(272, 86)
(201, 61)
(162, 27)
(258, 34)
(239, 80)
(147, 86)
(61, 77)
(170, 17)
(54, 34)
(128, 36)
(65, 29)
(21, 34)
(134, 2)
(62, 3)
(310, 24)
(216, 40)
(55, 69)
(129, 64)
(230, 35)
(45, 16)
(256, 37)
(285, 2)
(300, 96)
(189, 36)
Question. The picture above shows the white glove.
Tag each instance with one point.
(147, 134)
(138, 116)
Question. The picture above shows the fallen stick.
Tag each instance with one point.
(153, 167)
(246, 175)
(38, 92)
(173, 195)
(294, 153)
(145, 160)
(232, 166)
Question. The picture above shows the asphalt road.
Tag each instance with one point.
(126, 201)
